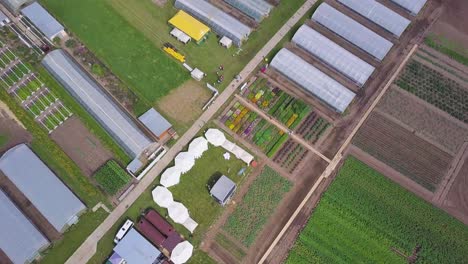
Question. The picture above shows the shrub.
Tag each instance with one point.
(111, 177)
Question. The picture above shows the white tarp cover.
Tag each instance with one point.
(226, 42)
(215, 137)
(162, 196)
(352, 31)
(379, 14)
(198, 146)
(178, 212)
(184, 161)
(190, 224)
(197, 74)
(219, 21)
(170, 177)
(333, 55)
(182, 252)
(312, 80)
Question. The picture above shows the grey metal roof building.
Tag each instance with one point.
(379, 14)
(413, 6)
(41, 186)
(15, 5)
(256, 9)
(312, 80)
(352, 31)
(46, 23)
(155, 122)
(333, 55)
(223, 190)
(19, 238)
(220, 22)
(100, 105)
(135, 249)
(3, 19)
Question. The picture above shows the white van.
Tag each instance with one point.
(123, 231)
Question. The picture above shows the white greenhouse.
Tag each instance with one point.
(256, 9)
(379, 14)
(352, 31)
(333, 55)
(312, 80)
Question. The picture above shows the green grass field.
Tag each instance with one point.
(3, 140)
(192, 192)
(258, 204)
(363, 215)
(123, 48)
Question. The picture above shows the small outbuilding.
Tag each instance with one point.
(135, 249)
(197, 74)
(180, 36)
(156, 123)
(223, 190)
(44, 21)
(225, 42)
(190, 26)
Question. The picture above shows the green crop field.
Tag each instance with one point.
(363, 216)
(125, 50)
(259, 203)
(111, 177)
(3, 140)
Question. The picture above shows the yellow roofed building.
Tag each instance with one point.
(190, 26)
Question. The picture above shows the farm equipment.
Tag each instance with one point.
(171, 50)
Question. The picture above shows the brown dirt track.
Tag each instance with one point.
(15, 133)
(81, 146)
(456, 201)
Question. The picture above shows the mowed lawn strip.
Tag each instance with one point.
(193, 192)
(123, 48)
(363, 215)
(258, 204)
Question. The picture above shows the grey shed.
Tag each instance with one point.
(46, 23)
(155, 122)
(91, 96)
(223, 190)
(15, 5)
(41, 186)
(20, 240)
(135, 249)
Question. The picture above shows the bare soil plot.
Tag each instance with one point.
(13, 132)
(29, 210)
(184, 104)
(451, 27)
(402, 150)
(81, 146)
(426, 120)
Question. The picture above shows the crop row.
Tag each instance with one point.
(313, 128)
(290, 155)
(111, 177)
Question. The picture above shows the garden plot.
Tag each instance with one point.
(435, 88)
(290, 155)
(278, 104)
(31, 92)
(313, 128)
(403, 151)
(262, 198)
(250, 126)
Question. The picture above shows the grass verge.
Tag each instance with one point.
(258, 204)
